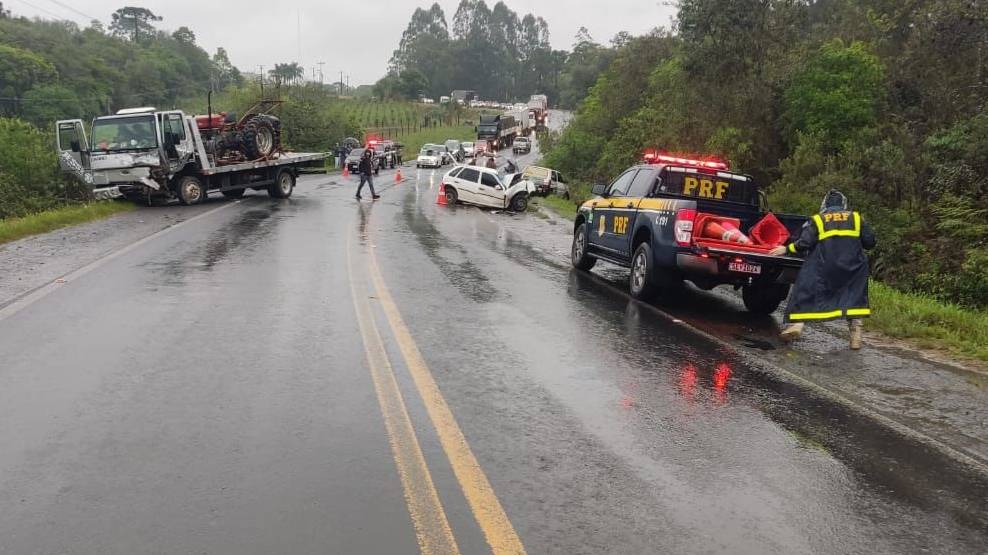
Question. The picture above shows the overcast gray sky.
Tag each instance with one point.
(353, 36)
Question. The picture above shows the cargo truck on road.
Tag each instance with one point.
(500, 131)
(151, 156)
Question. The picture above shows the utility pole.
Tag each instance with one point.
(341, 83)
(320, 72)
(298, 20)
(262, 81)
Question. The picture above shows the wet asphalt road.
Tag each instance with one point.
(238, 385)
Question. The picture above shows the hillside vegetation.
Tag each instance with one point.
(52, 70)
(884, 100)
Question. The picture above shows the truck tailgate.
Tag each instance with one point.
(752, 256)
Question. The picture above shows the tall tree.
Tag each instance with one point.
(133, 22)
(224, 72)
(425, 47)
(287, 74)
(184, 35)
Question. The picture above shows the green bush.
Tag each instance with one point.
(29, 175)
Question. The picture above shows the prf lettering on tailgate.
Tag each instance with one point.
(706, 188)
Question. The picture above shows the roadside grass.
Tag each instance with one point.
(564, 207)
(12, 229)
(928, 322)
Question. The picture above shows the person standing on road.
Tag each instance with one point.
(833, 282)
(366, 168)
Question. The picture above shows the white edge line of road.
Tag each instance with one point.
(751, 359)
(25, 300)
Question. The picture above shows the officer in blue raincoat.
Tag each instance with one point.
(833, 282)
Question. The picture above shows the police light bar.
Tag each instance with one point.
(656, 158)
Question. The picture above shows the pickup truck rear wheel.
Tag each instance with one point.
(190, 190)
(764, 298)
(283, 185)
(642, 280)
(578, 254)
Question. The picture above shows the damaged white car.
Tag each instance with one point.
(484, 187)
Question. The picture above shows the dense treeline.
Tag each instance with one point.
(490, 50)
(883, 99)
(52, 69)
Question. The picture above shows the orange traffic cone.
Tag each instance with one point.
(441, 199)
(398, 176)
(725, 231)
(346, 171)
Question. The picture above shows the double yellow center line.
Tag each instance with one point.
(428, 517)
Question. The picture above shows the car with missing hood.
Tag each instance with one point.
(485, 187)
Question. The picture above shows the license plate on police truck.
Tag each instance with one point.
(745, 267)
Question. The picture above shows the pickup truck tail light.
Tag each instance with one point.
(683, 227)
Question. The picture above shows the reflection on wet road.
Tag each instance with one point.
(243, 385)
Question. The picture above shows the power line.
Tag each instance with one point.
(67, 7)
(40, 9)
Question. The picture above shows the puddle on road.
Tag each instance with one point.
(241, 235)
(463, 274)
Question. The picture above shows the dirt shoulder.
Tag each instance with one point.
(37, 260)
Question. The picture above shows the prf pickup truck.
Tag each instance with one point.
(645, 220)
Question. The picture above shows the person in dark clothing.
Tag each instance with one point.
(833, 282)
(366, 168)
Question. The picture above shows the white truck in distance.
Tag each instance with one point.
(152, 156)
(538, 109)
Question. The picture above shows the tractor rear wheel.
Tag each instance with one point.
(261, 137)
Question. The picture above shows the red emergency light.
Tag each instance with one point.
(652, 157)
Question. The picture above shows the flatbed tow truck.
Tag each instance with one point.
(151, 156)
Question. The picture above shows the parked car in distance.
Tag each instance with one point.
(521, 145)
(468, 148)
(447, 156)
(429, 157)
(384, 153)
(353, 161)
(484, 187)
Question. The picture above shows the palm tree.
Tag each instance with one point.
(287, 74)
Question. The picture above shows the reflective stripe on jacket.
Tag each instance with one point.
(833, 282)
